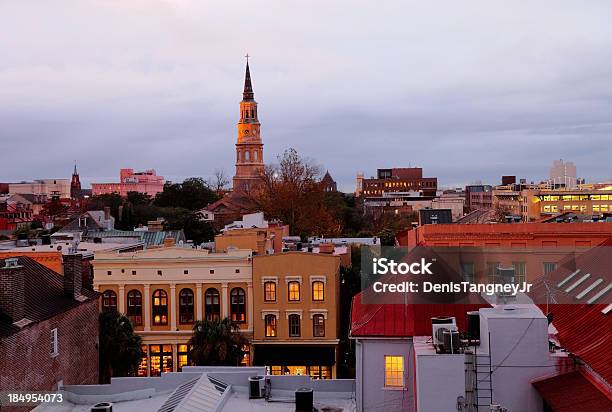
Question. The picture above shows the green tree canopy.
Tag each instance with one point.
(193, 194)
(217, 343)
(120, 351)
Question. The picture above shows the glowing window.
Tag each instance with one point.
(294, 291)
(394, 371)
(318, 291)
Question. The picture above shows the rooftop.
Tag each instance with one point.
(204, 389)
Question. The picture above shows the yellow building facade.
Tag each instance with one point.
(295, 313)
(164, 291)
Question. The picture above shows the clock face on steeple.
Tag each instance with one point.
(246, 131)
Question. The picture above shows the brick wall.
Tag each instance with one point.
(26, 363)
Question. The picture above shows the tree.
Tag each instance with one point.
(53, 208)
(219, 181)
(138, 198)
(193, 225)
(193, 194)
(291, 191)
(216, 343)
(120, 351)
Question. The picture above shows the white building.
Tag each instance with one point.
(47, 187)
(563, 174)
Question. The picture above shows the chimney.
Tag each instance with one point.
(327, 248)
(169, 241)
(12, 289)
(72, 275)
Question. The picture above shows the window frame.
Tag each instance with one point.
(291, 326)
(270, 326)
(238, 308)
(271, 292)
(157, 310)
(186, 308)
(320, 327)
(394, 376)
(134, 316)
(209, 314)
(289, 291)
(322, 291)
(54, 343)
(108, 297)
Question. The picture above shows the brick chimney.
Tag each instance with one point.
(12, 289)
(72, 275)
(327, 248)
(169, 241)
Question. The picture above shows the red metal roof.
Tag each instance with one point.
(396, 320)
(583, 329)
(573, 392)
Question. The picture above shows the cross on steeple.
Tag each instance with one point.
(247, 57)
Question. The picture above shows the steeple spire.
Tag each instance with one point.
(75, 169)
(247, 94)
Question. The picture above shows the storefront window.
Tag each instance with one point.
(144, 361)
(161, 359)
(183, 356)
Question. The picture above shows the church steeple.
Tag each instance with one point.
(249, 148)
(75, 184)
(247, 94)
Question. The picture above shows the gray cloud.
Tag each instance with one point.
(468, 91)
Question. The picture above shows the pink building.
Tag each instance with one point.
(144, 182)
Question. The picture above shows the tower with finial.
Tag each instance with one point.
(75, 184)
(249, 147)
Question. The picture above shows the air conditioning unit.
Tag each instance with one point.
(439, 324)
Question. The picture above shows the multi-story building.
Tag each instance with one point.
(398, 180)
(295, 312)
(48, 327)
(165, 290)
(537, 202)
(129, 181)
(563, 174)
(478, 197)
(52, 188)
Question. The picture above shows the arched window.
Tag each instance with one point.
(294, 325)
(270, 321)
(134, 308)
(318, 291)
(294, 291)
(160, 307)
(212, 307)
(318, 326)
(109, 301)
(270, 291)
(186, 306)
(247, 156)
(238, 305)
(255, 155)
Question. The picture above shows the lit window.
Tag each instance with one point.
(294, 291)
(318, 291)
(394, 371)
(270, 324)
(269, 291)
(160, 307)
(183, 356)
(238, 305)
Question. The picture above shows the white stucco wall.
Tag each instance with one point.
(440, 379)
(371, 392)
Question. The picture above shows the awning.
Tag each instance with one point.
(572, 392)
(287, 355)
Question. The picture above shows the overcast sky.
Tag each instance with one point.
(468, 90)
